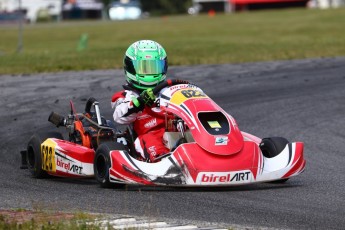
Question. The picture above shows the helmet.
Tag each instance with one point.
(145, 64)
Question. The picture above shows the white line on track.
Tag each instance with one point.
(132, 223)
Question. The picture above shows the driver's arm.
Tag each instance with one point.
(127, 104)
(125, 112)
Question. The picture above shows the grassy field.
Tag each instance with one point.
(48, 220)
(225, 38)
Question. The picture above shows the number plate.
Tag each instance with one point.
(48, 156)
(185, 94)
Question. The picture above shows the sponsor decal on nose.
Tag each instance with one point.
(224, 177)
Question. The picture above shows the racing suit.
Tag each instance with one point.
(148, 124)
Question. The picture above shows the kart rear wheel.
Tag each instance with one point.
(102, 163)
(272, 146)
(33, 156)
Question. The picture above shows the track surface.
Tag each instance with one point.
(301, 100)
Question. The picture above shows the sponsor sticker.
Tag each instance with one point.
(214, 124)
(151, 123)
(222, 140)
(218, 178)
(66, 165)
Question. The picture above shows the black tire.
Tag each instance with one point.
(102, 163)
(33, 156)
(282, 181)
(272, 146)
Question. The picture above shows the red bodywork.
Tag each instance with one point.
(236, 159)
(219, 154)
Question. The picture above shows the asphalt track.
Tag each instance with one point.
(302, 100)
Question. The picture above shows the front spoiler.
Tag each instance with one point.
(190, 165)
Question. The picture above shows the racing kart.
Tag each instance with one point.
(207, 148)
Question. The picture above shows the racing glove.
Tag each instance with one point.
(146, 98)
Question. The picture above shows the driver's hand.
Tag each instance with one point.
(148, 97)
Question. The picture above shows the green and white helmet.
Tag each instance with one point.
(145, 64)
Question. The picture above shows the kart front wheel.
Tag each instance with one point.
(272, 146)
(102, 163)
(33, 156)
(281, 181)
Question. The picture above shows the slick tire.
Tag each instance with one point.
(272, 146)
(279, 181)
(102, 163)
(33, 156)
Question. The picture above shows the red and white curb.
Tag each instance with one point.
(134, 224)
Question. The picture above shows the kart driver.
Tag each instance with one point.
(145, 66)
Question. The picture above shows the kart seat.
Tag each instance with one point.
(173, 139)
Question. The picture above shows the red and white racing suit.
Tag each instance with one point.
(148, 124)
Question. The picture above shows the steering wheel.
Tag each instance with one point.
(169, 82)
(162, 85)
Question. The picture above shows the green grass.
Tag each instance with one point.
(25, 220)
(225, 38)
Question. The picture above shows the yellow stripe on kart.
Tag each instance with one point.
(184, 94)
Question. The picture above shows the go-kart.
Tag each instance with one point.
(206, 146)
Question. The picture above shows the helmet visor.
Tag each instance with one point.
(149, 66)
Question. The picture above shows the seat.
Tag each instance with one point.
(173, 139)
